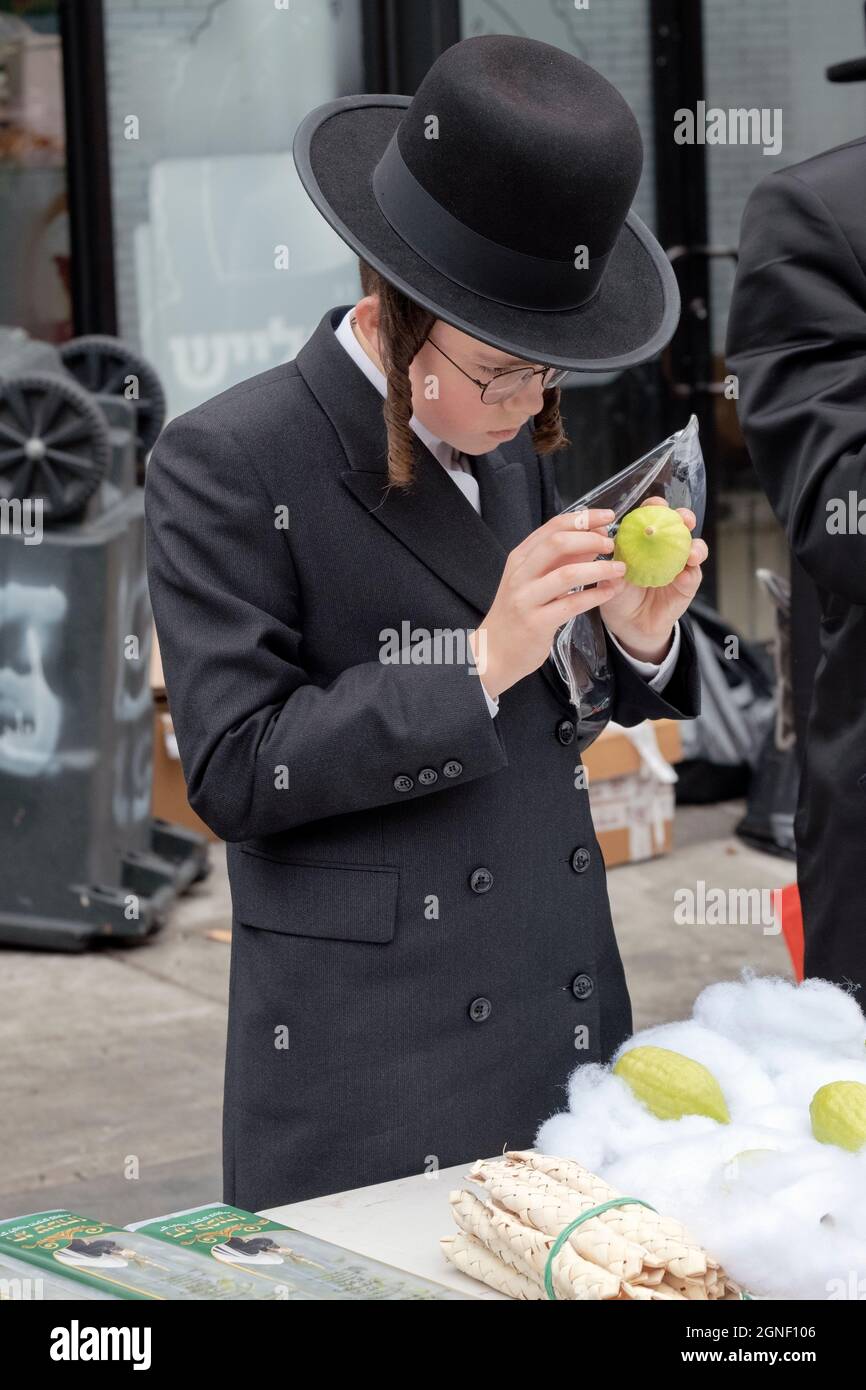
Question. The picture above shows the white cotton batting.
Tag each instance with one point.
(784, 1213)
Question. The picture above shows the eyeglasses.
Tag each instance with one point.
(508, 380)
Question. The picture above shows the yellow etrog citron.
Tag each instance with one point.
(653, 543)
(838, 1112)
(671, 1085)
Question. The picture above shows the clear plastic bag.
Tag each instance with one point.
(674, 470)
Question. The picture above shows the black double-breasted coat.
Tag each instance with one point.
(422, 948)
(797, 344)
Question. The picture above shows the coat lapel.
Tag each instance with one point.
(439, 525)
(434, 519)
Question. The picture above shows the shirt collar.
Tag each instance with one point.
(444, 452)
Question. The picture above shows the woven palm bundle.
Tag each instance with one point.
(625, 1252)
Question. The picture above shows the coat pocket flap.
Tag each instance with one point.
(344, 902)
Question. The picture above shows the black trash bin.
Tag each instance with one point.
(82, 857)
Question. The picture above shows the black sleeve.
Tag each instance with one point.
(263, 748)
(634, 699)
(796, 342)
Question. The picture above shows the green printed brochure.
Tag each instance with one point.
(300, 1265)
(124, 1263)
(24, 1283)
(208, 1252)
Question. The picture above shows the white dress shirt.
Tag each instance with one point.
(458, 465)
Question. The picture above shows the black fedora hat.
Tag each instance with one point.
(499, 197)
(851, 70)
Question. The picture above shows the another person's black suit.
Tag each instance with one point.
(797, 343)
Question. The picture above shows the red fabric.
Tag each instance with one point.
(792, 927)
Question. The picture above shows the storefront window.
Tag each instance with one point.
(223, 265)
(34, 222)
(613, 37)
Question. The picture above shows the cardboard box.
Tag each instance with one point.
(168, 794)
(157, 679)
(168, 797)
(630, 779)
(615, 753)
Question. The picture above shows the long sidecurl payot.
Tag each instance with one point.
(403, 328)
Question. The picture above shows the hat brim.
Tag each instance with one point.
(629, 320)
(852, 70)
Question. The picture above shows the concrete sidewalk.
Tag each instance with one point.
(111, 1087)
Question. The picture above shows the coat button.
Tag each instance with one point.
(582, 986)
(480, 880)
(479, 1009)
(402, 783)
(565, 731)
(452, 768)
(580, 859)
(427, 776)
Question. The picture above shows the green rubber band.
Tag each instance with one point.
(584, 1216)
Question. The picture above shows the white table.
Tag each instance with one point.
(398, 1222)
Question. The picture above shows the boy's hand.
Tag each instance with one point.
(642, 619)
(534, 597)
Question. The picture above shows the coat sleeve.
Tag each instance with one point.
(633, 699)
(263, 747)
(796, 342)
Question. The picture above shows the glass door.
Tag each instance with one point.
(34, 209)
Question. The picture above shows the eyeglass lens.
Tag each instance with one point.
(506, 383)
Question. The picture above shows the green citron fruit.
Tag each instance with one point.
(671, 1085)
(654, 544)
(838, 1113)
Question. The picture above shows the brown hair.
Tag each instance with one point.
(403, 328)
